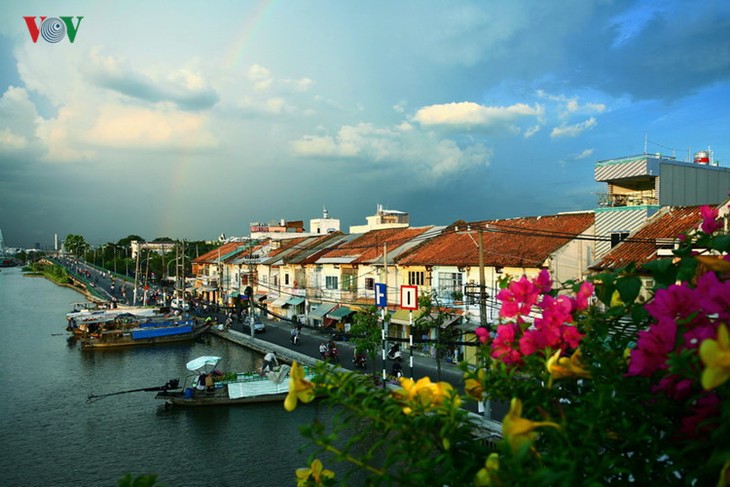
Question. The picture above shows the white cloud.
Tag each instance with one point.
(569, 105)
(565, 130)
(17, 113)
(10, 141)
(260, 77)
(586, 153)
(300, 85)
(530, 131)
(473, 115)
(424, 155)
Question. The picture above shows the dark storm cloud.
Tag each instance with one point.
(672, 55)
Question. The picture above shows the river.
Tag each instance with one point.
(52, 437)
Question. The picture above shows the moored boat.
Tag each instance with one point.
(208, 387)
(145, 334)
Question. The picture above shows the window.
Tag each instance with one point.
(286, 279)
(618, 237)
(330, 282)
(451, 285)
(369, 283)
(349, 281)
(416, 278)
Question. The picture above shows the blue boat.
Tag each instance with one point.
(146, 334)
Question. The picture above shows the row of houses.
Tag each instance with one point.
(323, 278)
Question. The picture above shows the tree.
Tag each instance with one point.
(366, 333)
(75, 244)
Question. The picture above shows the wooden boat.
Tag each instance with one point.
(145, 334)
(86, 318)
(208, 387)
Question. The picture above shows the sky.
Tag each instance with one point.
(192, 119)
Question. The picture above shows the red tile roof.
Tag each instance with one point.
(641, 247)
(224, 249)
(368, 247)
(517, 242)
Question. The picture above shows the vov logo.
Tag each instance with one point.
(53, 29)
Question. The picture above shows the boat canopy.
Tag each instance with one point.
(201, 362)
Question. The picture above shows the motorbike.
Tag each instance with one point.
(295, 340)
(332, 354)
(359, 361)
(394, 352)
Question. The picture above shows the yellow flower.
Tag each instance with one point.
(564, 367)
(315, 472)
(424, 393)
(299, 388)
(491, 466)
(715, 354)
(519, 431)
(724, 479)
(474, 387)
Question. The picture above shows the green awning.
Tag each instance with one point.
(400, 317)
(340, 313)
(322, 309)
(295, 301)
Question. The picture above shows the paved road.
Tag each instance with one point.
(277, 337)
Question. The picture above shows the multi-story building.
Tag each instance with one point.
(638, 186)
(383, 219)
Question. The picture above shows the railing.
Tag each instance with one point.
(621, 200)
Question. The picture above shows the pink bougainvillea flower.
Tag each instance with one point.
(652, 348)
(584, 295)
(710, 222)
(483, 334)
(704, 408)
(518, 298)
(503, 346)
(544, 282)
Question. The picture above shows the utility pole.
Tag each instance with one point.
(482, 279)
(482, 283)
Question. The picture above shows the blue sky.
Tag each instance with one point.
(192, 119)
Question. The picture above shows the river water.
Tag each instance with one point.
(50, 436)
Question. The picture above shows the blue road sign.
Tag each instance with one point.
(381, 296)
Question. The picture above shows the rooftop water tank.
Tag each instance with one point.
(702, 157)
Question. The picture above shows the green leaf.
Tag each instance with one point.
(663, 272)
(628, 288)
(720, 243)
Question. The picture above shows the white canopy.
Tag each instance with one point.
(201, 362)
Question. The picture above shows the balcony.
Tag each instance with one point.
(644, 198)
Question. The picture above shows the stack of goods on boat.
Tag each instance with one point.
(131, 326)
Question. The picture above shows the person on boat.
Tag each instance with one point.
(269, 360)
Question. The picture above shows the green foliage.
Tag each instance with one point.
(366, 332)
(615, 427)
(75, 244)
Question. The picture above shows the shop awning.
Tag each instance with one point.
(340, 313)
(260, 297)
(207, 289)
(280, 302)
(400, 317)
(295, 301)
(321, 310)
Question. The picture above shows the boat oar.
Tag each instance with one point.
(171, 384)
